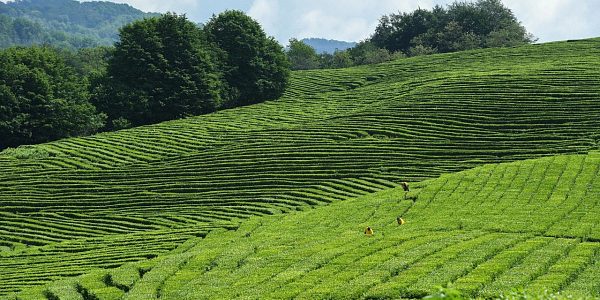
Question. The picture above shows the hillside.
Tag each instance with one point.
(74, 205)
(64, 23)
(532, 225)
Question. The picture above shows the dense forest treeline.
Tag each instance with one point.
(42, 98)
(459, 26)
(64, 23)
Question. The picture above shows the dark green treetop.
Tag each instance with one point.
(255, 66)
(161, 69)
(460, 26)
(41, 98)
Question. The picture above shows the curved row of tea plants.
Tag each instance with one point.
(335, 135)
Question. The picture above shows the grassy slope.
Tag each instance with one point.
(532, 225)
(115, 198)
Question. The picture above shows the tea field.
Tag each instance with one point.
(129, 198)
(532, 226)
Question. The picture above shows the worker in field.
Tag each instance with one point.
(405, 186)
(368, 231)
(400, 221)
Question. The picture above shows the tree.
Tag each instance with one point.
(460, 26)
(88, 60)
(419, 50)
(255, 66)
(325, 61)
(490, 22)
(161, 69)
(454, 38)
(303, 56)
(508, 37)
(41, 98)
(482, 17)
(396, 31)
(341, 59)
(366, 52)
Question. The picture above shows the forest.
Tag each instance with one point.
(65, 24)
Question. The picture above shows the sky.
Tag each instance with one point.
(355, 20)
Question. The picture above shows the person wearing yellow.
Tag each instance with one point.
(400, 221)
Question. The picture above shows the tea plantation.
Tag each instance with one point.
(532, 225)
(145, 210)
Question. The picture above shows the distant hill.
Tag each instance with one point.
(328, 46)
(64, 23)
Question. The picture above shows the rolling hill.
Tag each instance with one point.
(155, 199)
(531, 225)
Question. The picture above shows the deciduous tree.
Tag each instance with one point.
(255, 66)
(304, 57)
(41, 98)
(461, 26)
(161, 69)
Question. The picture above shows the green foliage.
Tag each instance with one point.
(341, 59)
(161, 69)
(366, 53)
(419, 50)
(20, 31)
(396, 31)
(255, 66)
(540, 295)
(446, 293)
(460, 26)
(89, 62)
(509, 36)
(41, 99)
(164, 68)
(27, 152)
(63, 23)
(302, 56)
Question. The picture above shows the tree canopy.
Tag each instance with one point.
(460, 26)
(41, 98)
(302, 56)
(161, 69)
(255, 66)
